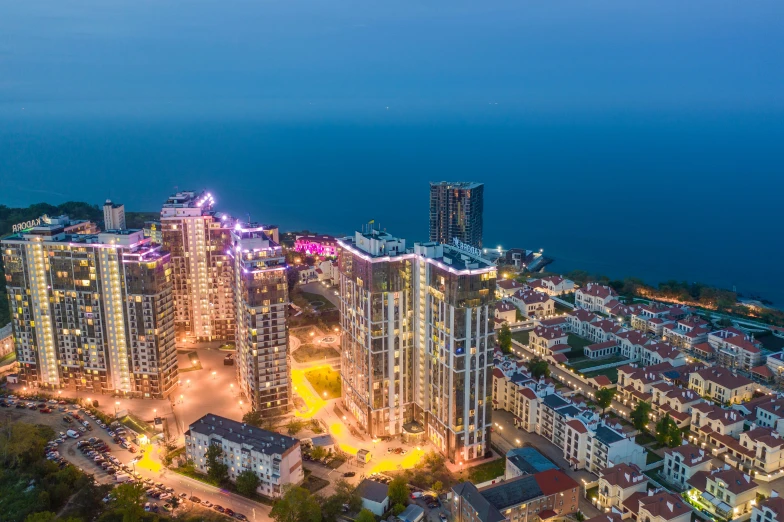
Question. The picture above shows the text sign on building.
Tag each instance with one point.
(465, 247)
(28, 224)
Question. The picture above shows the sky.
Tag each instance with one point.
(557, 55)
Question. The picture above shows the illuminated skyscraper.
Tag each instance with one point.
(417, 344)
(198, 238)
(456, 212)
(91, 312)
(261, 296)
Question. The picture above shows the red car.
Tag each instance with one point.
(45, 410)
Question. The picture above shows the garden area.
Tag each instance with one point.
(312, 352)
(521, 337)
(653, 458)
(486, 471)
(324, 380)
(585, 362)
(317, 301)
(610, 373)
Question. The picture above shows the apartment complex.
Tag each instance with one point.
(91, 312)
(276, 459)
(113, 216)
(261, 297)
(456, 212)
(198, 240)
(418, 340)
(527, 498)
(618, 483)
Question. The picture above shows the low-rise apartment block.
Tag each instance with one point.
(505, 313)
(546, 341)
(769, 510)
(276, 459)
(687, 332)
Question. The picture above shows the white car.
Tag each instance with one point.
(206, 503)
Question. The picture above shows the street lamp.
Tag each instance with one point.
(116, 405)
(213, 375)
(189, 383)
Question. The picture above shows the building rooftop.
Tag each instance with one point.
(512, 492)
(485, 511)
(607, 436)
(372, 490)
(457, 184)
(262, 441)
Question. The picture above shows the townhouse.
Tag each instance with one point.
(660, 352)
(683, 462)
(618, 483)
(578, 321)
(553, 285)
(708, 418)
(533, 304)
(505, 313)
(729, 492)
(594, 297)
(765, 449)
(631, 343)
(652, 318)
(546, 341)
(508, 287)
(635, 383)
(656, 506)
(769, 510)
(721, 385)
(686, 332)
(735, 349)
(602, 350)
(769, 412)
(675, 401)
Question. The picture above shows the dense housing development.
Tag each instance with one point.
(417, 348)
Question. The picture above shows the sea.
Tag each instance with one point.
(627, 139)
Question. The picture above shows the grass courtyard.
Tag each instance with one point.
(521, 337)
(315, 299)
(611, 373)
(324, 380)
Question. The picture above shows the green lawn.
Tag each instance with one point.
(611, 373)
(312, 352)
(314, 299)
(653, 458)
(644, 438)
(562, 308)
(324, 380)
(577, 343)
(8, 358)
(577, 364)
(487, 471)
(521, 337)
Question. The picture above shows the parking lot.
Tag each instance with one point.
(107, 454)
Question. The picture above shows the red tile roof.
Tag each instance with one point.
(577, 426)
(554, 481)
(623, 476)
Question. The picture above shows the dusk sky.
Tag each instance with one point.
(544, 55)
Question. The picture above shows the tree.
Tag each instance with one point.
(129, 501)
(344, 493)
(641, 415)
(579, 516)
(41, 516)
(604, 397)
(675, 435)
(296, 504)
(538, 368)
(365, 516)
(398, 491)
(519, 315)
(667, 432)
(253, 418)
(397, 509)
(505, 338)
(247, 482)
(216, 469)
(294, 426)
(438, 487)
(318, 453)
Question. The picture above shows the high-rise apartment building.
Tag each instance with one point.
(91, 312)
(261, 297)
(456, 212)
(198, 239)
(113, 216)
(417, 344)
